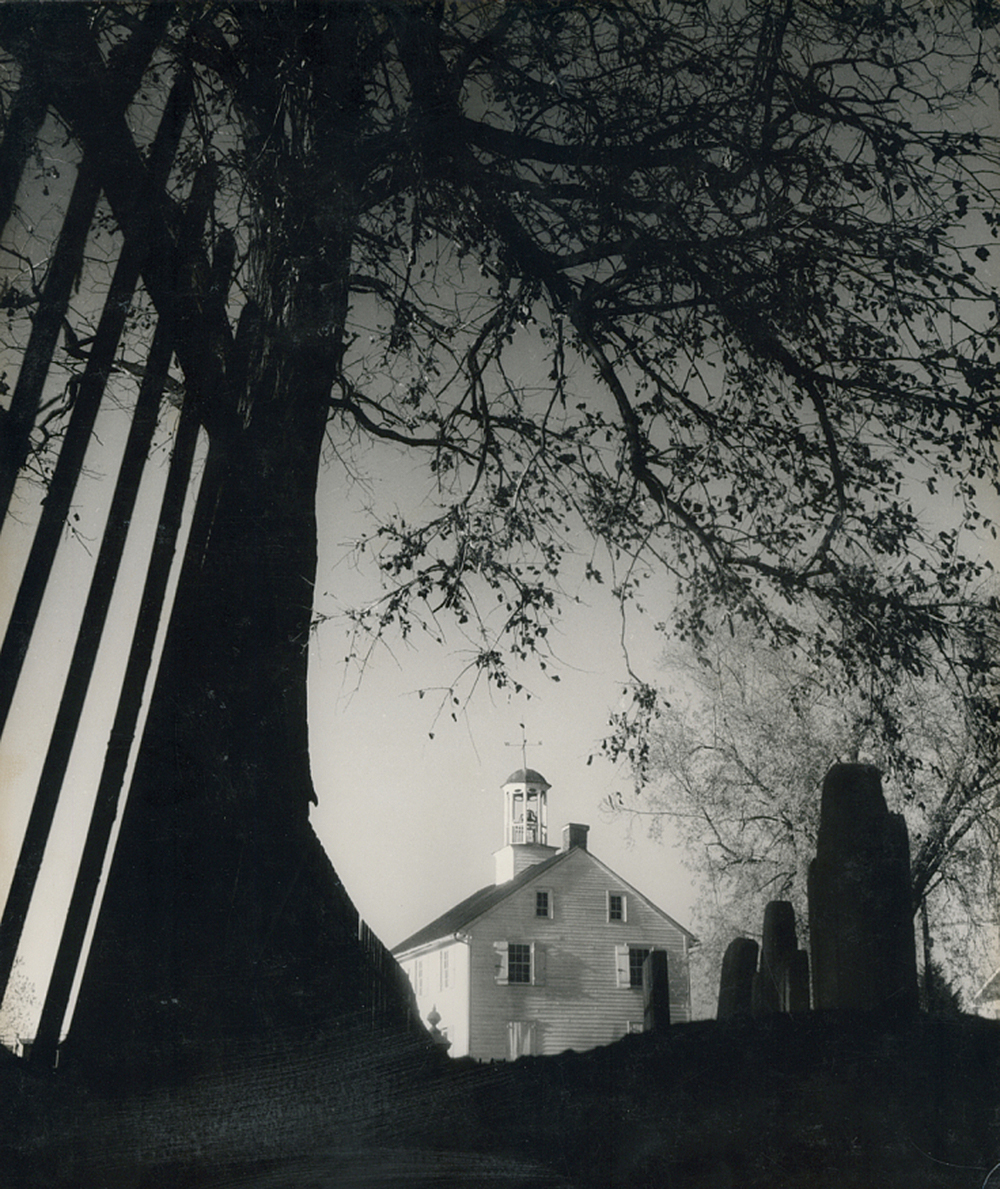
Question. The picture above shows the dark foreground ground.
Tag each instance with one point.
(813, 1101)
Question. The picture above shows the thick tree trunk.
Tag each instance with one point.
(222, 914)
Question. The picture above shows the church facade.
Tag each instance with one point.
(549, 957)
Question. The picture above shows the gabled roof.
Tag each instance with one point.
(474, 906)
(466, 911)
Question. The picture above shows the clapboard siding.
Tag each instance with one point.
(580, 1004)
(440, 979)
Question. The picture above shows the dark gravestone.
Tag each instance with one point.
(777, 950)
(795, 990)
(655, 991)
(860, 903)
(782, 982)
(739, 965)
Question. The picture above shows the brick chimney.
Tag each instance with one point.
(574, 835)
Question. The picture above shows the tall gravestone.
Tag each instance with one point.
(655, 992)
(739, 967)
(860, 903)
(782, 982)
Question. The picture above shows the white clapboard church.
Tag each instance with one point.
(549, 957)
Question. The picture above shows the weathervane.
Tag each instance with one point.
(523, 745)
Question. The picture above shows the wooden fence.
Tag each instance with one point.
(388, 985)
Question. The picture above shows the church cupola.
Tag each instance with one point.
(525, 824)
(525, 808)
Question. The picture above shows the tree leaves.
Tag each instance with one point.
(694, 280)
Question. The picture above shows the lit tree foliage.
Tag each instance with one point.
(736, 762)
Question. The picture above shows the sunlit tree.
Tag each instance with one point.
(742, 741)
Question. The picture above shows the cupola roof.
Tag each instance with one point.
(527, 776)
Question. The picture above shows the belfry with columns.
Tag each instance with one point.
(525, 824)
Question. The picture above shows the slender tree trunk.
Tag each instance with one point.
(119, 744)
(129, 63)
(23, 123)
(86, 407)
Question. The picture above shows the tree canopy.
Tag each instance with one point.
(747, 237)
(746, 248)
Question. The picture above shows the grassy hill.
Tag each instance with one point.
(817, 1101)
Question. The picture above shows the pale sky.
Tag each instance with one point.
(412, 822)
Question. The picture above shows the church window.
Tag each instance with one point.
(636, 957)
(519, 963)
(628, 964)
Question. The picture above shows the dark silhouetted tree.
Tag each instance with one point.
(741, 244)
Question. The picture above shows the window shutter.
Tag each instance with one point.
(621, 966)
(552, 906)
(500, 948)
(537, 964)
